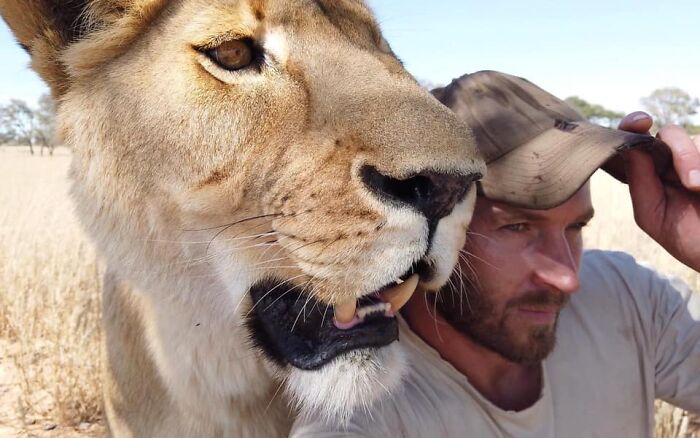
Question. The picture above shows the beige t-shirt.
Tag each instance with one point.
(626, 338)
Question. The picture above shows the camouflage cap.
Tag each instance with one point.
(539, 150)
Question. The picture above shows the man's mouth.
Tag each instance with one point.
(293, 328)
(541, 315)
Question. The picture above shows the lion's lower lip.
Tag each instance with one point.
(296, 330)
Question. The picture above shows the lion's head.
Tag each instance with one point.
(268, 169)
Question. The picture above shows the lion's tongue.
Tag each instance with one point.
(396, 296)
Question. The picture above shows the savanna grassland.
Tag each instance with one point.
(50, 330)
(49, 303)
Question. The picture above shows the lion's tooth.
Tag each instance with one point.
(345, 312)
(398, 295)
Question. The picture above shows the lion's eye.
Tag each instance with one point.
(232, 55)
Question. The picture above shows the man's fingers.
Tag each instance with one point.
(686, 157)
(638, 121)
(646, 189)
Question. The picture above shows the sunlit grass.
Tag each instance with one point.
(49, 294)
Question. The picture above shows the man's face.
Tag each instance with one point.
(518, 269)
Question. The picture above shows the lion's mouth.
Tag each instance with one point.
(293, 328)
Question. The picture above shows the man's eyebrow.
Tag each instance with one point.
(536, 215)
(527, 214)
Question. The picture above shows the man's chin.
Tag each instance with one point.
(530, 345)
(523, 344)
(540, 345)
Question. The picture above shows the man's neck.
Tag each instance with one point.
(508, 385)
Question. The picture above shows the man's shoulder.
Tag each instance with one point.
(605, 270)
(614, 282)
(606, 318)
(601, 269)
(615, 288)
(611, 259)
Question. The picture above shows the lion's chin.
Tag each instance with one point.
(328, 371)
(352, 381)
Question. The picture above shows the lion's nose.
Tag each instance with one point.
(434, 194)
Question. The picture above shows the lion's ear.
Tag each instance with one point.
(44, 28)
(47, 29)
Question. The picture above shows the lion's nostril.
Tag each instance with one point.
(413, 191)
(434, 194)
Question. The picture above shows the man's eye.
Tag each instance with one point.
(578, 226)
(516, 228)
(232, 55)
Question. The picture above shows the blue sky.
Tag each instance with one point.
(608, 52)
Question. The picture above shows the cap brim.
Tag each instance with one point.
(552, 167)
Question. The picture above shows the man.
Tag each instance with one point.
(482, 353)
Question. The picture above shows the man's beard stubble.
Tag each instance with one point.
(472, 312)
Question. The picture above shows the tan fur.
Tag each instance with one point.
(173, 160)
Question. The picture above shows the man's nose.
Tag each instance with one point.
(554, 266)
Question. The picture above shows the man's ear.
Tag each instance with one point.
(44, 28)
(103, 29)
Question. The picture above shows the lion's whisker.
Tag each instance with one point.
(274, 395)
(463, 251)
(290, 290)
(266, 294)
(236, 222)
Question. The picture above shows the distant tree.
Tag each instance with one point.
(18, 123)
(5, 136)
(45, 116)
(671, 105)
(21, 124)
(595, 113)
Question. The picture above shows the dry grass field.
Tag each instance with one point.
(50, 302)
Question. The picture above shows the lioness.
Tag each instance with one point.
(267, 186)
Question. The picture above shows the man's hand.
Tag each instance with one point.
(669, 213)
